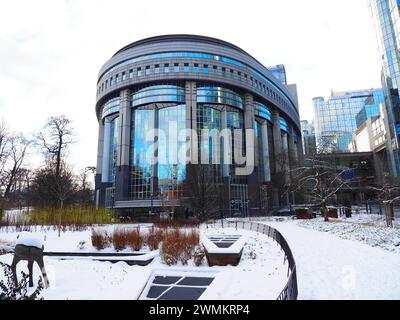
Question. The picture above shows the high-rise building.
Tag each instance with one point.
(336, 118)
(308, 136)
(386, 17)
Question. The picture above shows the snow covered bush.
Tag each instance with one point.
(100, 239)
(198, 255)
(135, 240)
(11, 291)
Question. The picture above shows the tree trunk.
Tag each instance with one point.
(324, 210)
(389, 215)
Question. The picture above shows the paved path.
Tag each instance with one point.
(333, 268)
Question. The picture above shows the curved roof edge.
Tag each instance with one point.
(182, 37)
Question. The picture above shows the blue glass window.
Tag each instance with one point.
(110, 107)
(157, 68)
(123, 76)
(186, 67)
(147, 70)
(219, 95)
(196, 67)
(139, 72)
(166, 67)
(262, 111)
(159, 93)
(130, 74)
(283, 124)
(176, 67)
(205, 68)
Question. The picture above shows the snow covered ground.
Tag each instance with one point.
(329, 267)
(369, 229)
(261, 273)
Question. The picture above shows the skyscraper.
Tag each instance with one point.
(335, 118)
(386, 17)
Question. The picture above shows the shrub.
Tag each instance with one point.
(10, 291)
(171, 247)
(135, 239)
(100, 239)
(120, 239)
(199, 255)
(178, 246)
(176, 223)
(154, 239)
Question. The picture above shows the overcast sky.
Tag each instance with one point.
(51, 50)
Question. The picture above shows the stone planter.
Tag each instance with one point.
(223, 250)
(223, 259)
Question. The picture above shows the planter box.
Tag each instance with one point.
(223, 259)
(223, 251)
(332, 213)
(304, 214)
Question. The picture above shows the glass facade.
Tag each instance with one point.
(140, 186)
(219, 95)
(262, 111)
(386, 18)
(113, 149)
(110, 107)
(171, 172)
(209, 118)
(335, 119)
(159, 93)
(279, 72)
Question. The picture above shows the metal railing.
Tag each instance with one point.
(290, 291)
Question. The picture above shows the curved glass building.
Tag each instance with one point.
(155, 100)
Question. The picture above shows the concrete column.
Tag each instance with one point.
(98, 185)
(100, 146)
(293, 156)
(227, 153)
(106, 151)
(191, 119)
(253, 178)
(265, 151)
(124, 129)
(277, 134)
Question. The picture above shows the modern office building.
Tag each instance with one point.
(372, 136)
(308, 137)
(386, 18)
(174, 83)
(336, 118)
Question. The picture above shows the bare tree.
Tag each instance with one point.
(203, 191)
(388, 194)
(320, 180)
(55, 139)
(18, 147)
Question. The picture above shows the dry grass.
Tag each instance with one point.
(177, 223)
(73, 219)
(135, 240)
(100, 239)
(154, 238)
(178, 246)
(119, 239)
